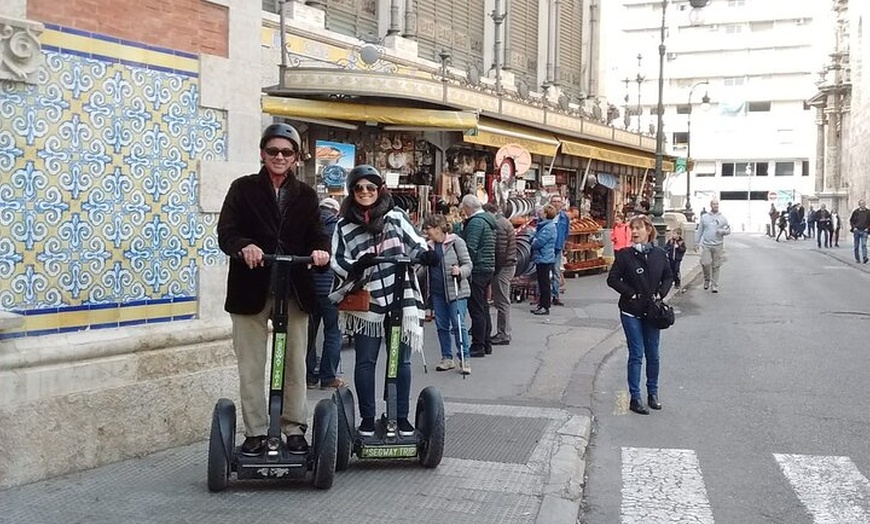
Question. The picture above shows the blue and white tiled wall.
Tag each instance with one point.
(99, 218)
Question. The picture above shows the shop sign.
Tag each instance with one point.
(548, 180)
(333, 160)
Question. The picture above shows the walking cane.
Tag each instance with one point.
(460, 328)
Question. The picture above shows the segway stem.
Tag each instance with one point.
(280, 289)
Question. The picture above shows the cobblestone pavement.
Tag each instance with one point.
(497, 469)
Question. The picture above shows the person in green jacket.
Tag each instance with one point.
(478, 231)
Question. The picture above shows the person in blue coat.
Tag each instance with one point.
(326, 373)
(544, 254)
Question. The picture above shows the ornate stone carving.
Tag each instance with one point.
(20, 50)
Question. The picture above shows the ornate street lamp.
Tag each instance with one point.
(705, 101)
(658, 209)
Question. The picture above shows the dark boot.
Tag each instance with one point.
(638, 407)
(653, 401)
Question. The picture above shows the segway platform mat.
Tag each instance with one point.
(283, 465)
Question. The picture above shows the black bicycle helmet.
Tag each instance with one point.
(281, 130)
(363, 171)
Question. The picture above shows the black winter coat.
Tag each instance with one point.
(635, 273)
(251, 214)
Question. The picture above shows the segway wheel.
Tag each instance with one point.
(221, 443)
(343, 399)
(430, 423)
(325, 443)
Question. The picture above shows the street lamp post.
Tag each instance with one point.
(658, 209)
(704, 100)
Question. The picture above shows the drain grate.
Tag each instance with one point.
(493, 438)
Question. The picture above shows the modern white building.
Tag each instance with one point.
(756, 60)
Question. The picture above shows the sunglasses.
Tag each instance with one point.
(273, 151)
(365, 188)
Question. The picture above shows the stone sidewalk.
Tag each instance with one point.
(517, 432)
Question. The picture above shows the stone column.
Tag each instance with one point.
(820, 184)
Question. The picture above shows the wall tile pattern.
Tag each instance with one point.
(99, 217)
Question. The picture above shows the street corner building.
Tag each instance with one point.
(122, 127)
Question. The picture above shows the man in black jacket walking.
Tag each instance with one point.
(271, 212)
(859, 223)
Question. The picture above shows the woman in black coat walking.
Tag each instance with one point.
(640, 275)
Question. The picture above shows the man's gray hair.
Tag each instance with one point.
(471, 202)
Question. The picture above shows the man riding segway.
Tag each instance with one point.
(271, 212)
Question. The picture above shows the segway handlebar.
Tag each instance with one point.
(289, 259)
(401, 259)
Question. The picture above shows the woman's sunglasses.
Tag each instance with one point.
(365, 188)
(273, 151)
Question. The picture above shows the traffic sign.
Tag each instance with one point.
(773, 196)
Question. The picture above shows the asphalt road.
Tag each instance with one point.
(764, 388)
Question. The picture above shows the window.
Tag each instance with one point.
(758, 27)
(733, 29)
(736, 3)
(733, 81)
(805, 168)
(683, 109)
(759, 107)
(742, 169)
(271, 6)
(357, 18)
(743, 195)
(521, 40)
(727, 168)
(681, 138)
(457, 27)
(760, 169)
(784, 169)
(705, 174)
(570, 45)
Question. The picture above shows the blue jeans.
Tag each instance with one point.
(643, 340)
(328, 313)
(556, 276)
(859, 239)
(367, 349)
(447, 323)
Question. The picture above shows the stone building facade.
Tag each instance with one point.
(843, 109)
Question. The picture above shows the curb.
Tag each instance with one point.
(563, 489)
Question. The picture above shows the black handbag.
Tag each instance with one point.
(661, 314)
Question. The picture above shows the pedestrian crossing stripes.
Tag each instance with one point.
(658, 484)
(667, 485)
(831, 488)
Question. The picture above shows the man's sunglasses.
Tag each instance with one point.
(365, 188)
(273, 151)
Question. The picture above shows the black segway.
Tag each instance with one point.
(276, 462)
(427, 443)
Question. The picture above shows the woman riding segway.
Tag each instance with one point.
(369, 226)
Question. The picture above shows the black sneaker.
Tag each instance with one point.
(367, 427)
(254, 446)
(405, 428)
(296, 444)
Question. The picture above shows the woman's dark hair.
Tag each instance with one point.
(372, 217)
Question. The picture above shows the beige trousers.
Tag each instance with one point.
(252, 344)
(711, 260)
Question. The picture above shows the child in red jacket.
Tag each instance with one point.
(621, 234)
